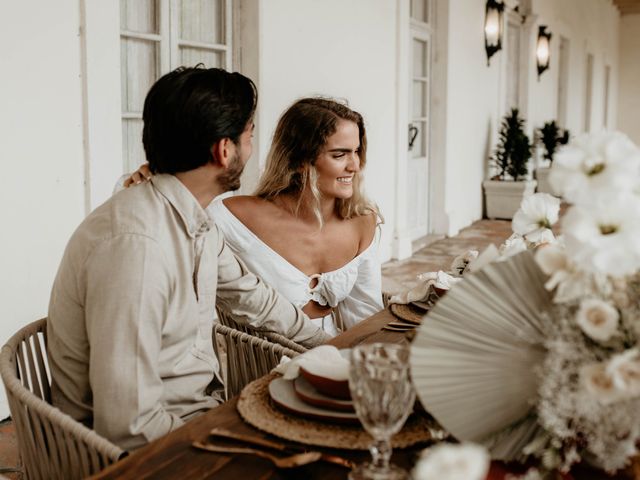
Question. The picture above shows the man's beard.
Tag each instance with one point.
(230, 179)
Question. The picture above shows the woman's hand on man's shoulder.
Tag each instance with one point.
(143, 174)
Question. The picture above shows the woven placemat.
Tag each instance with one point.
(257, 409)
(411, 313)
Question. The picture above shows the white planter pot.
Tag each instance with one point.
(503, 198)
(542, 177)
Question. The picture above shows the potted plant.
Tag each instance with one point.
(550, 137)
(505, 190)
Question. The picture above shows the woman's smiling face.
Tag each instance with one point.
(339, 162)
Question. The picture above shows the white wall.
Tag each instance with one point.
(307, 48)
(472, 107)
(592, 26)
(474, 100)
(42, 197)
(629, 93)
(100, 57)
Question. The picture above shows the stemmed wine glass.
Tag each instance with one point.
(383, 397)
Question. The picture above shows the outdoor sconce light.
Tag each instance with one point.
(493, 27)
(543, 49)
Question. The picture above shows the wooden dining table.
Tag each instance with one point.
(174, 457)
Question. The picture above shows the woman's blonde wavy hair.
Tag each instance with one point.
(299, 139)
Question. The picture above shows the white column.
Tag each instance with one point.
(401, 246)
(100, 71)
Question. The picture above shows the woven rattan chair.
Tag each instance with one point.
(52, 445)
(227, 321)
(247, 357)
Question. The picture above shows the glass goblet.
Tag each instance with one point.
(383, 397)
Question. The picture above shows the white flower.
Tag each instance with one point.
(569, 282)
(595, 163)
(576, 284)
(466, 461)
(552, 260)
(598, 319)
(624, 370)
(537, 213)
(603, 237)
(598, 383)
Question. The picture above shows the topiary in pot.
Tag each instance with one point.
(511, 159)
(513, 152)
(552, 136)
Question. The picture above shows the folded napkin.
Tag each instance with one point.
(422, 291)
(440, 280)
(324, 361)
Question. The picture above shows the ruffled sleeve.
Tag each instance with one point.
(365, 297)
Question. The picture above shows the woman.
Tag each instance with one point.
(308, 230)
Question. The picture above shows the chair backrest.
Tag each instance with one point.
(247, 357)
(227, 321)
(52, 444)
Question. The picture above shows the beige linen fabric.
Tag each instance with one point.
(132, 309)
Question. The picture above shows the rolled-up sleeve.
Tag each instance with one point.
(128, 289)
(249, 300)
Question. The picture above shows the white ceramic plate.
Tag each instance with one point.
(284, 395)
(473, 359)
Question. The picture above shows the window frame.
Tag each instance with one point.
(169, 44)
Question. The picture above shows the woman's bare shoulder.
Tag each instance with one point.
(366, 225)
(247, 208)
(245, 202)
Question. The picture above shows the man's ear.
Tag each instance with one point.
(221, 152)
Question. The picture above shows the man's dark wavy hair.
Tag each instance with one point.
(188, 110)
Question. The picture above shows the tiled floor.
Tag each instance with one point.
(396, 276)
(8, 451)
(401, 275)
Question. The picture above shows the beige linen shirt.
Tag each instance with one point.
(132, 309)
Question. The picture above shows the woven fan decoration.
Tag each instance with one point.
(473, 360)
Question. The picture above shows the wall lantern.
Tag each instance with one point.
(493, 27)
(543, 49)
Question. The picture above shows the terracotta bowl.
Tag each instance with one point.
(328, 386)
(440, 291)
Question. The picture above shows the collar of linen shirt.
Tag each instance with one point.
(195, 218)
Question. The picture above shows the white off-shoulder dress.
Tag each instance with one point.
(354, 289)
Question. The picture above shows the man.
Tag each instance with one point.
(132, 306)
